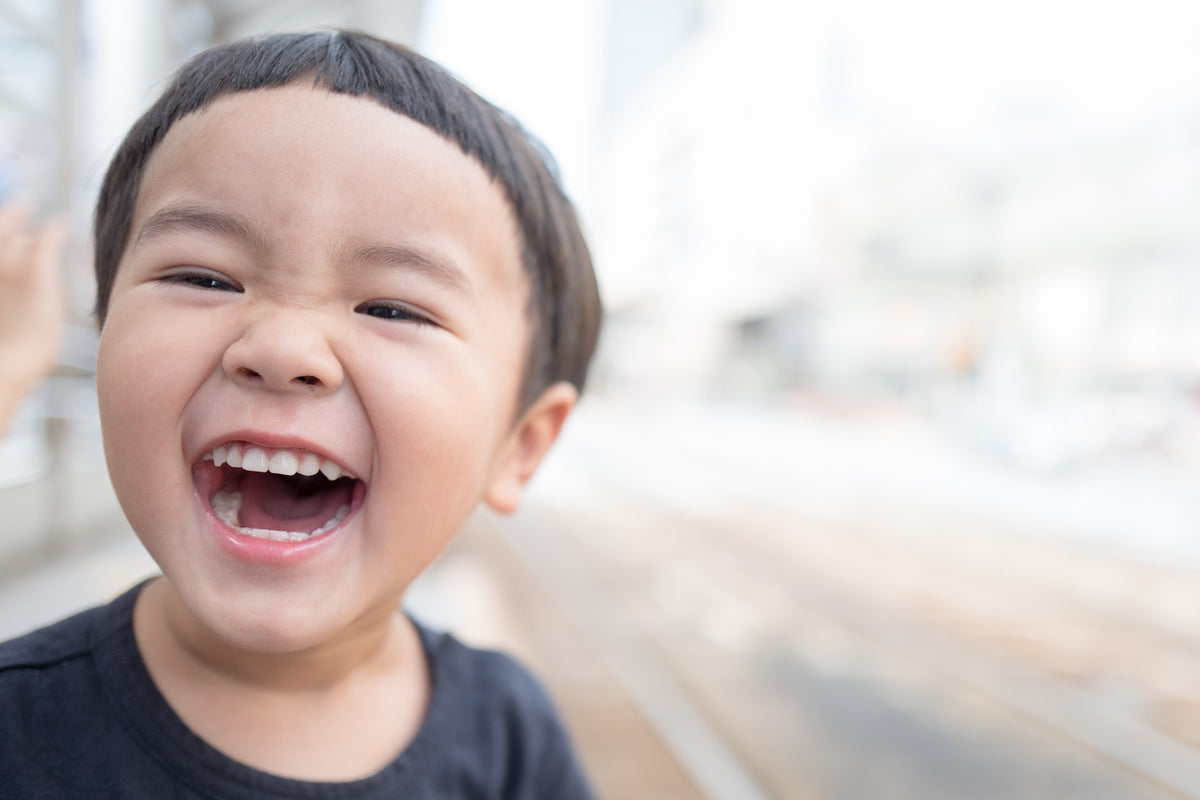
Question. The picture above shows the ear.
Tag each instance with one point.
(527, 444)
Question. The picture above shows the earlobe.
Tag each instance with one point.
(527, 444)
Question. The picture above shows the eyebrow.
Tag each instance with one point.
(189, 216)
(426, 263)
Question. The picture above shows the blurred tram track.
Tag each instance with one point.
(900, 655)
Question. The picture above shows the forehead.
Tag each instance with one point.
(308, 167)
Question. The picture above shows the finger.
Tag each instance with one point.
(14, 237)
(45, 254)
(15, 265)
(14, 217)
(27, 254)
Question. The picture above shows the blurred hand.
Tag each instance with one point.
(31, 304)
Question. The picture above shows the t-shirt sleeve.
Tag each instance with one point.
(505, 718)
(563, 777)
(539, 738)
(560, 774)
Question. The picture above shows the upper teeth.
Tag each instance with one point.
(279, 462)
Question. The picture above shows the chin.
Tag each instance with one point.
(262, 621)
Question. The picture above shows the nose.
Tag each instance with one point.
(284, 351)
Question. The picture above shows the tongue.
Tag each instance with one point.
(282, 503)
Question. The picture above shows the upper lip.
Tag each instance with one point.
(274, 441)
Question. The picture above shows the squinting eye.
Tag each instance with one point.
(399, 313)
(201, 280)
(209, 283)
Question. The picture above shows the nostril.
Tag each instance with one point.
(246, 372)
(309, 380)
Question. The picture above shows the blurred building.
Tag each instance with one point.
(711, 210)
(827, 197)
(1039, 293)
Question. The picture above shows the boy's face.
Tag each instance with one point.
(310, 275)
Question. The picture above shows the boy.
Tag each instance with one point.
(342, 300)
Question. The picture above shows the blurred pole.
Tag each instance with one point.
(59, 527)
(66, 45)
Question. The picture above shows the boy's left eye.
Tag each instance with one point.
(393, 311)
(202, 279)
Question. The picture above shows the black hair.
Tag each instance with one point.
(564, 307)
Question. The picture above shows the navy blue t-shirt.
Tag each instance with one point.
(81, 718)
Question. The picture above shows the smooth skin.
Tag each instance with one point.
(312, 269)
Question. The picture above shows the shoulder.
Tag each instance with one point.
(61, 730)
(46, 678)
(487, 677)
(494, 715)
(55, 644)
(71, 638)
(64, 652)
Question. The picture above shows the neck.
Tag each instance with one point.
(336, 712)
(169, 634)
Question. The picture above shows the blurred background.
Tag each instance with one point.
(886, 483)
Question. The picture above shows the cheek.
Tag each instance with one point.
(437, 424)
(427, 479)
(142, 387)
(427, 434)
(135, 375)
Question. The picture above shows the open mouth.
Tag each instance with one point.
(282, 495)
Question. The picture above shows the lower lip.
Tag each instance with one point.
(266, 552)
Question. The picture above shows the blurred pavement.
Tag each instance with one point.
(762, 602)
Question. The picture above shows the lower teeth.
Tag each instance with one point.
(227, 505)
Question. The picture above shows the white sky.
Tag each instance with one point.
(1098, 61)
(537, 59)
(941, 67)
